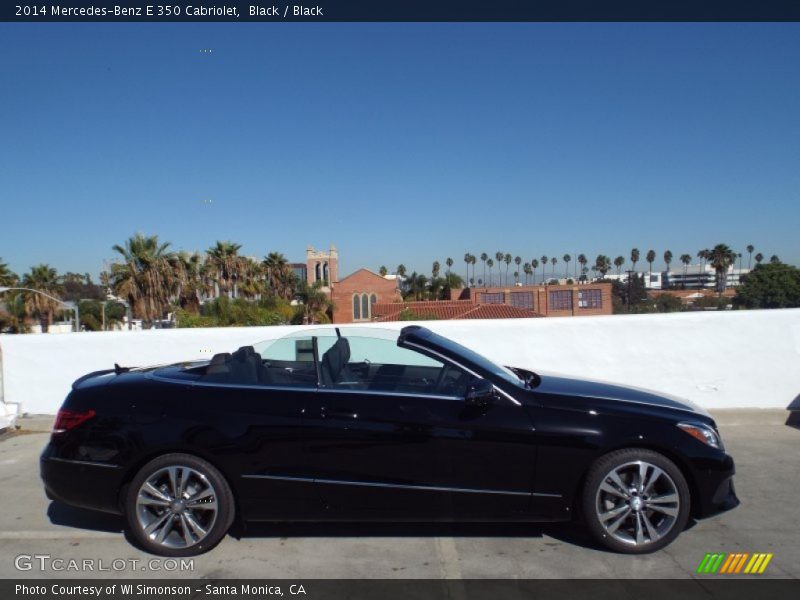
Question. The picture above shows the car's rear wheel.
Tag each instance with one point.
(635, 501)
(179, 505)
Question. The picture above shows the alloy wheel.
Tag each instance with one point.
(176, 506)
(637, 503)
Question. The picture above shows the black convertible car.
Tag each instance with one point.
(367, 424)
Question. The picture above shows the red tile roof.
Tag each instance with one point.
(450, 309)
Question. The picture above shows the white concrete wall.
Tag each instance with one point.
(732, 359)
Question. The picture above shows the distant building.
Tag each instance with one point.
(355, 296)
(510, 302)
(691, 277)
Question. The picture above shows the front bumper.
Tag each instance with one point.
(714, 480)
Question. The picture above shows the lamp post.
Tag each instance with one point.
(24, 289)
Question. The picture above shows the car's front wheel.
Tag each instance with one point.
(179, 505)
(635, 501)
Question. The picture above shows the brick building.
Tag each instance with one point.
(547, 300)
(507, 303)
(365, 296)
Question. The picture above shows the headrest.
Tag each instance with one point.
(220, 359)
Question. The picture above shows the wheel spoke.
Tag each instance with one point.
(173, 481)
(639, 528)
(183, 475)
(654, 476)
(155, 492)
(671, 511)
(614, 512)
(201, 495)
(612, 527)
(643, 467)
(165, 530)
(196, 527)
(670, 498)
(652, 532)
(187, 531)
(150, 501)
(156, 523)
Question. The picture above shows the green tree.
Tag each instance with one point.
(507, 259)
(225, 266)
(650, 257)
(518, 262)
(553, 261)
(567, 258)
(634, 257)
(449, 262)
(772, 285)
(490, 264)
(774, 259)
(667, 303)
(582, 261)
(685, 259)
(401, 268)
(192, 282)
(534, 266)
(484, 258)
(468, 260)
(435, 268)
(526, 268)
(618, 262)
(7, 277)
(145, 278)
(750, 249)
(759, 257)
(667, 259)
(45, 279)
(499, 256)
(721, 258)
(603, 264)
(383, 271)
(315, 306)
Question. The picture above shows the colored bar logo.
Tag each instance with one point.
(735, 563)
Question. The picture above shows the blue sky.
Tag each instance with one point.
(398, 142)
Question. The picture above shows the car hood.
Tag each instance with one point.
(552, 383)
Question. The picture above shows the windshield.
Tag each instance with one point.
(480, 361)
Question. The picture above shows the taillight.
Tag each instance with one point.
(69, 419)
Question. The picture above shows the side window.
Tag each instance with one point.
(380, 365)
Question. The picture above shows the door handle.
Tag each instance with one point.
(340, 413)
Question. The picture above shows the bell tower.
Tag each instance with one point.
(322, 266)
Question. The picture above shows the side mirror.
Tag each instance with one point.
(480, 393)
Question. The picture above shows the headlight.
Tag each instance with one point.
(704, 433)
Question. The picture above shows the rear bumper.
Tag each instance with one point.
(84, 484)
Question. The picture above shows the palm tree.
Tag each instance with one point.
(704, 255)
(507, 259)
(7, 277)
(225, 266)
(435, 269)
(667, 259)
(499, 257)
(554, 260)
(651, 256)
(315, 302)
(634, 258)
(401, 268)
(534, 266)
(490, 264)
(45, 279)
(145, 277)
(473, 259)
(603, 264)
(774, 260)
(526, 268)
(582, 260)
(449, 262)
(566, 258)
(618, 262)
(516, 277)
(280, 277)
(192, 281)
(721, 257)
(484, 258)
(517, 261)
(750, 249)
(685, 259)
(759, 257)
(544, 267)
(383, 271)
(468, 260)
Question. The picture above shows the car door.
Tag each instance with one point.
(390, 433)
(253, 405)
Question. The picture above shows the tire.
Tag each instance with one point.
(179, 505)
(628, 516)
